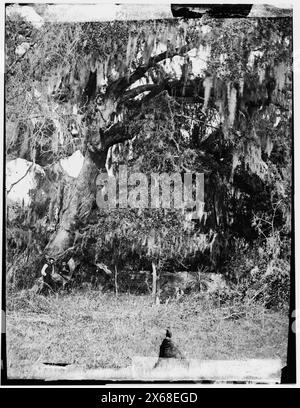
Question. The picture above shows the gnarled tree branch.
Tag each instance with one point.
(121, 84)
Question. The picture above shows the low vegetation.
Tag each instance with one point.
(94, 330)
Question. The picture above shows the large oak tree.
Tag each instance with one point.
(88, 87)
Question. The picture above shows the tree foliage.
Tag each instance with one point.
(108, 89)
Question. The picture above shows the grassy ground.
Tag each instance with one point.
(99, 330)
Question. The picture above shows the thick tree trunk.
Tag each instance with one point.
(77, 204)
(81, 195)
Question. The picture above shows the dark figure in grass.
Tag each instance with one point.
(47, 272)
(65, 270)
(170, 353)
(66, 275)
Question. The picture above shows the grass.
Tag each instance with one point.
(94, 330)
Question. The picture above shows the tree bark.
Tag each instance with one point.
(77, 204)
